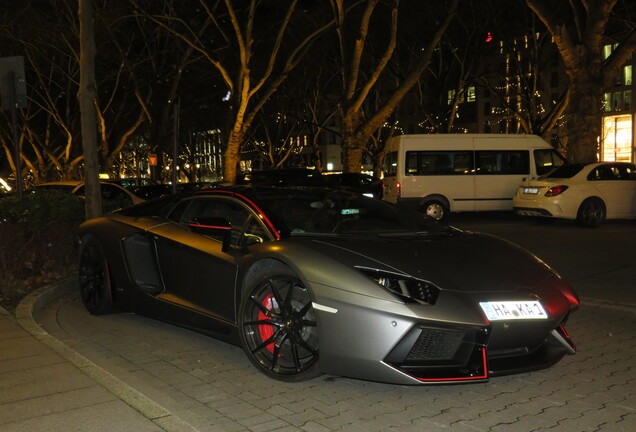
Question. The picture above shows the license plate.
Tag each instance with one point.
(513, 310)
(531, 190)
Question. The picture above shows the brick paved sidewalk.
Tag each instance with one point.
(212, 386)
(46, 386)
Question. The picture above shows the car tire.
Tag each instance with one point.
(278, 329)
(94, 278)
(435, 209)
(591, 213)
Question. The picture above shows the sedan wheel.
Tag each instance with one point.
(278, 328)
(94, 280)
(591, 213)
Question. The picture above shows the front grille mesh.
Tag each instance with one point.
(436, 344)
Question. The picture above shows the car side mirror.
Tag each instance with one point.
(214, 227)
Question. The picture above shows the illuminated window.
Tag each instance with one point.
(451, 97)
(617, 139)
(607, 50)
(607, 102)
(617, 101)
(627, 75)
(470, 94)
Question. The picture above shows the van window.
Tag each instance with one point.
(502, 162)
(439, 162)
(547, 160)
(390, 164)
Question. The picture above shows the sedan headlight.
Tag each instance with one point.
(407, 289)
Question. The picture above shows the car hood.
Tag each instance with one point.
(468, 262)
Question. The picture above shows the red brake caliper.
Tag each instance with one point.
(266, 331)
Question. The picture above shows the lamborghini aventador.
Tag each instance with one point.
(313, 280)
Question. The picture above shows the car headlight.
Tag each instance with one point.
(407, 289)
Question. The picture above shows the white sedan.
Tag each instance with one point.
(587, 193)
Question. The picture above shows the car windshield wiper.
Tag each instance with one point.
(447, 232)
(405, 234)
(313, 234)
(334, 234)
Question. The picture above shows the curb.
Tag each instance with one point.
(34, 302)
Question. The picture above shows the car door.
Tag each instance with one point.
(197, 272)
(627, 178)
(615, 189)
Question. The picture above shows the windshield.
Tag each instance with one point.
(547, 160)
(319, 211)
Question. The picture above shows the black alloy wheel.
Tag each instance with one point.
(94, 279)
(591, 213)
(278, 328)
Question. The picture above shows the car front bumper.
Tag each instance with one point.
(376, 340)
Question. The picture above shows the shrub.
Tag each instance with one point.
(36, 210)
(38, 241)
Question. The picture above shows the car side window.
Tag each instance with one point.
(111, 192)
(604, 172)
(627, 172)
(235, 213)
(177, 212)
(254, 232)
(502, 162)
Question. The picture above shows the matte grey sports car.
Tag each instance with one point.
(312, 280)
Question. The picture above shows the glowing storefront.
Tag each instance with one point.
(618, 138)
(617, 144)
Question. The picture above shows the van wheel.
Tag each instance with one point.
(434, 209)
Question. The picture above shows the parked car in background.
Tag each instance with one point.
(113, 196)
(152, 191)
(282, 177)
(132, 182)
(353, 182)
(440, 173)
(587, 193)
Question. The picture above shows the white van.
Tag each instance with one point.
(438, 173)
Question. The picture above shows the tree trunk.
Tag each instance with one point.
(584, 120)
(353, 151)
(86, 95)
(231, 157)
(353, 143)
